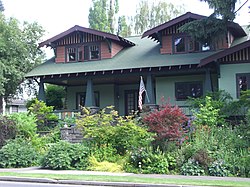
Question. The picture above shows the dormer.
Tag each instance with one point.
(80, 44)
(172, 41)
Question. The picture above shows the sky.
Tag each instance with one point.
(57, 16)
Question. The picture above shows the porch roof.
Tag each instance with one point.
(144, 54)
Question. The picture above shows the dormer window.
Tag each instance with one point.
(185, 44)
(92, 52)
(83, 53)
(179, 45)
(71, 54)
(74, 54)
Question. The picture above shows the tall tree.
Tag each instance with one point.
(148, 16)
(102, 15)
(124, 26)
(1, 6)
(208, 30)
(225, 9)
(18, 52)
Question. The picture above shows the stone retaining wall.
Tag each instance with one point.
(71, 134)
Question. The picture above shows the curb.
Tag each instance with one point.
(75, 182)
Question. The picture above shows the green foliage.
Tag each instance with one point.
(26, 124)
(192, 168)
(103, 166)
(41, 142)
(102, 15)
(19, 52)
(245, 99)
(8, 129)
(104, 153)
(44, 115)
(157, 163)
(148, 16)
(208, 30)
(124, 28)
(219, 169)
(54, 96)
(17, 153)
(207, 114)
(224, 9)
(107, 128)
(64, 155)
(150, 161)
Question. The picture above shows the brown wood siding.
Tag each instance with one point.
(166, 45)
(116, 48)
(222, 43)
(105, 51)
(60, 54)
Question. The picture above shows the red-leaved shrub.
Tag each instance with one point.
(166, 122)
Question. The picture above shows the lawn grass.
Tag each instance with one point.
(133, 179)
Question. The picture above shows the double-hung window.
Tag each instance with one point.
(74, 54)
(91, 52)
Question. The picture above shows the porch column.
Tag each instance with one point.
(89, 100)
(208, 82)
(151, 104)
(150, 90)
(41, 92)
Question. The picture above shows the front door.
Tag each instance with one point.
(131, 103)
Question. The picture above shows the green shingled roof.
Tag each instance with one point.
(146, 53)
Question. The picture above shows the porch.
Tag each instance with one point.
(63, 114)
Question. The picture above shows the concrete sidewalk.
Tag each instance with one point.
(98, 183)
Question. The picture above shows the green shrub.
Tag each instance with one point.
(149, 161)
(104, 153)
(26, 124)
(207, 114)
(8, 129)
(103, 166)
(45, 117)
(219, 169)
(202, 157)
(64, 155)
(41, 142)
(157, 163)
(107, 128)
(192, 168)
(17, 153)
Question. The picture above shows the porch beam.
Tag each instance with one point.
(90, 100)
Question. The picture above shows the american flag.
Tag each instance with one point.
(141, 90)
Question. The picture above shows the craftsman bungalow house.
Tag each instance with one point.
(100, 69)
